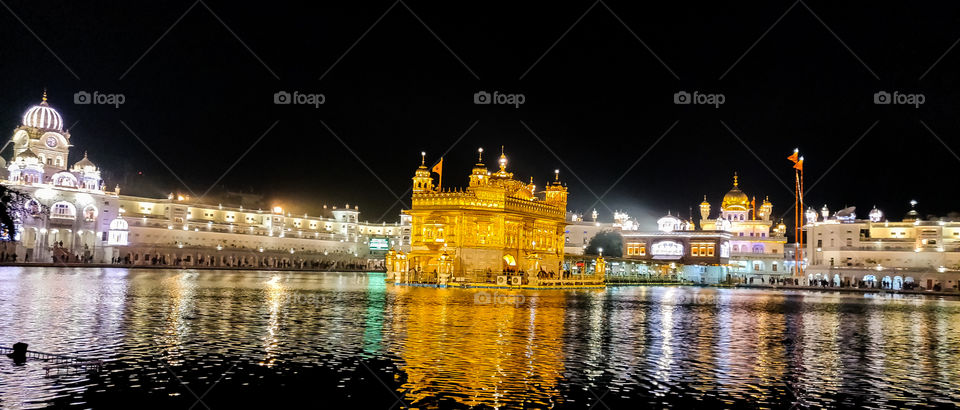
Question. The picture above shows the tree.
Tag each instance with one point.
(13, 207)
(611, 242)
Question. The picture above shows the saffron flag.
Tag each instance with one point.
(799, 165)
(439, 167)
(795, 157)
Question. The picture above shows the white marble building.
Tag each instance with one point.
(73, 217)
(756, 245)
(912, 252)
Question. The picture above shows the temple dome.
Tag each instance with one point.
(670, 223)
(27, 153)
(735, 200)
(43, 116)
(84, 163)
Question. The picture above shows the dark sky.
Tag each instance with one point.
(201, 93)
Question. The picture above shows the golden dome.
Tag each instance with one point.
(735, 200)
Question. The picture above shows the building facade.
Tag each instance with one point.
(496, 225)
(73, 217)
(580, 231)
(908, 254)
(697, 256)
(756, 245)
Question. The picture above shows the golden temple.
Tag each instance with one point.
(498, 230)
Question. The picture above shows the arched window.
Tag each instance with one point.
(65, 179)
(118, 232)
(90, 213)
(63, 210)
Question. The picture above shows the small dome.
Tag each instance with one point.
(913, 215)
(670, 223)
(735, 200)
(84, 163)
(27, 153)
(875, 214)
(43, 116)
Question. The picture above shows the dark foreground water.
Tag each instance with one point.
(260, 339)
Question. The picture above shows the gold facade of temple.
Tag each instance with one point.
(497, 227)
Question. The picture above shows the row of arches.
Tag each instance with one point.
(873, 281)
(64, 210)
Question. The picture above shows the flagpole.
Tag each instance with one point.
(796, 222)
(802, 210)
(797, 204)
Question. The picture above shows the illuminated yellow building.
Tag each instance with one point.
(498, 229)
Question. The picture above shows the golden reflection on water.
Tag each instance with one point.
(542, 349)
(480, 354)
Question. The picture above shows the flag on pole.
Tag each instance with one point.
(439, 170)
(795, 157)
(799, 165)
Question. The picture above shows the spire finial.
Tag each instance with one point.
(503, 160)
(556, 175)
(423, 158)
(735, 182)
(479, 155)
(44, 96)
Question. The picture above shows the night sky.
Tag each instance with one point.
(199, 94)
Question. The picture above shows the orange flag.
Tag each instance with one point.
(799, 165)
(795, 157)
(439, 170)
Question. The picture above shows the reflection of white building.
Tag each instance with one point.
(756, 250)
(913, 252)
(88, 222)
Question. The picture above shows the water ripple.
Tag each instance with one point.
(169, 337)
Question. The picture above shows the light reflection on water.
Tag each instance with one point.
(453, 347)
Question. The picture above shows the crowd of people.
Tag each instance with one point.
(244, 261)
(826, 283)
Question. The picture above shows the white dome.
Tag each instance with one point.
(669, 223)
(42, 116)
